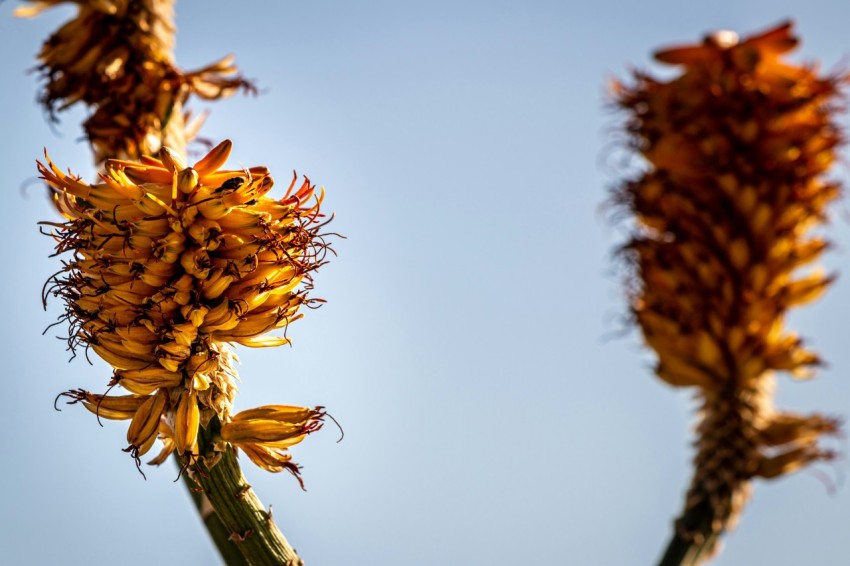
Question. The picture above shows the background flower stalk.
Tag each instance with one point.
(737, 146)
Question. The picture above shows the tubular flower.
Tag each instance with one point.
(170, 264)
(736, 145)
(117, 57)
(264, 434)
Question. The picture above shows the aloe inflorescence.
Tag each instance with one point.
(736, 146)
(170, 264)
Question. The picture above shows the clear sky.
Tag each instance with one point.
(472, 345)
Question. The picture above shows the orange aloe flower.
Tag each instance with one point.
(169, 264)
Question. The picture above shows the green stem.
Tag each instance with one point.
(228, 549)
(244, 519)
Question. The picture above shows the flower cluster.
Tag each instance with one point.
(737, 146)
(116, 56)
(169, 264)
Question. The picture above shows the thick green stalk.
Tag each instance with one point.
(218, 532)
(243, 517)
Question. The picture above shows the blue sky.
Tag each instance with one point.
(472, 345)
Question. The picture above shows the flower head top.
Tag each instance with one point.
(169, 264)
(116, 56)
(737, 146)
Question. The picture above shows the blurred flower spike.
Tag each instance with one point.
(736, 146)
(170, 263)
(117, 58)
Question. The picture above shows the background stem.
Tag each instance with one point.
(693, 539)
